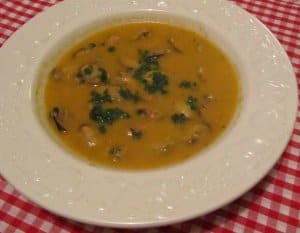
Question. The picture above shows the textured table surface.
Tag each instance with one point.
(271, 206)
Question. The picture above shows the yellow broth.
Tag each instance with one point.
(141, 95)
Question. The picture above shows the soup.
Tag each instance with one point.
(141, 95)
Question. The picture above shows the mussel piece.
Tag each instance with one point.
(90, 46)
(88, 135)
(165, 148)
(159, 54)
(183, 108)
(151, 114)
(116, 152)
(56, 74)
(204, 121)
(162, 53)
(141, 112)
(173, 45)
(112, 40)
(143, 34)
(195, 133)
(87, 48)
(208, 98)
(128, 62)
(193, 139)
(122, 79)
(55, 115)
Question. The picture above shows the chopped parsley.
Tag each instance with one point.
(111, 49)
(87, 70)
(157, 84)
(98, 99)
(104, 117)
(126, 94)
(187, 84)
(145, 33)
(136, 134)
(141, 112)
(84, 71)
(88, 73)
(178, 118)
(149, 75)
(192, 102)
(148, 62)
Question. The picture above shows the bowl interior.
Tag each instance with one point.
(65, 185)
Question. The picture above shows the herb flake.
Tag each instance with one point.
(147, 63)
(149, 75)
(103, 76)
(98, 99)
(127, 94)
(104, 117)
(192, 102)
(178, 118)
(92, 74)
(187, 84)
(158, 83)
(111, 49)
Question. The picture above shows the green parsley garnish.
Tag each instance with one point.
(187, 84)
(145, 33)
(178, 118)
(126, 94)
(158, 83)
(98, 99)
(192, 102)
(104, 117)
(88, 72)
(111, 49)
(149, 75)
(147, 63)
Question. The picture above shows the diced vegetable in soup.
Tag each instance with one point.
(141, 95)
